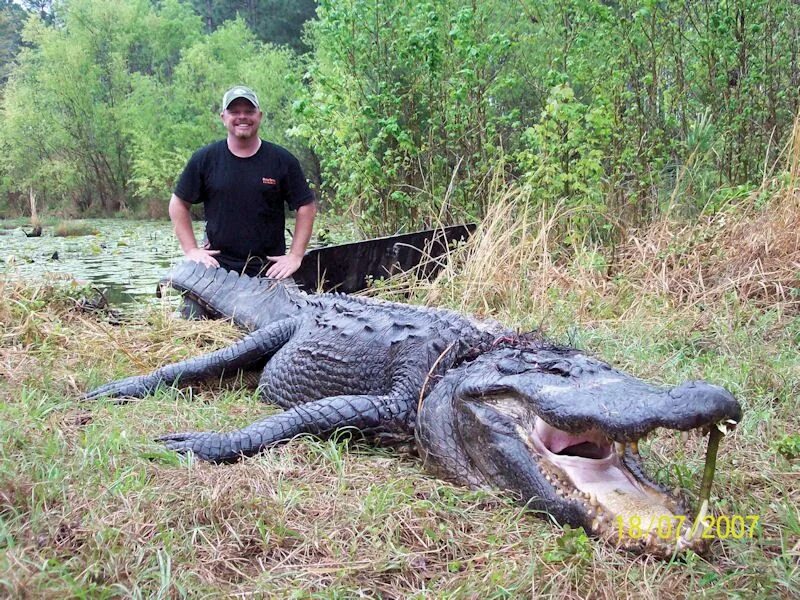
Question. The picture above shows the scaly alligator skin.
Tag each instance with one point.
(486, 408)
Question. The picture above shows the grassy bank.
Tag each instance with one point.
(91, 507)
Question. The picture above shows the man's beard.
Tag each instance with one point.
(245, 134)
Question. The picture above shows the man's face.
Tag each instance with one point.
(242, 119)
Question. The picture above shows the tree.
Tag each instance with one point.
(399, 105)
(12, 19)
(75, 77)
(275, 21)
(42, 8)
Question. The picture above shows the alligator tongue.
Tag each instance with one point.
(590, 444)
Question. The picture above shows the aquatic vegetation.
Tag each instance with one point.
(74, 229)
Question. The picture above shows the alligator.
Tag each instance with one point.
(485, 407)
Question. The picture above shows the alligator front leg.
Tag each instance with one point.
(257, 346)
(369, 414)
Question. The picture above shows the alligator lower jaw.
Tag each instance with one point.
(627, 511)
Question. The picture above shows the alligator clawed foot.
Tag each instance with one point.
(203, 444)
(124, 390)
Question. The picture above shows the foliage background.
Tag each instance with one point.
(404, 112)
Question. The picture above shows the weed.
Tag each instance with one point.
(73, 229)
(788, 446)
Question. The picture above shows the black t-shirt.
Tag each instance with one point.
(244, 200)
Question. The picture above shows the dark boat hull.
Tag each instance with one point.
(348, 268)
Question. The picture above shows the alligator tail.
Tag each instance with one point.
(251, 302)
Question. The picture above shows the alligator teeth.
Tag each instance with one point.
(593, 500)
(635, 448)
(620, 448)
(684, 436)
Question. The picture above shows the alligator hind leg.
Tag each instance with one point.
(250, 350)
(372, 415)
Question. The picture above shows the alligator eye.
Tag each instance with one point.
(560, 367)
(512, 367)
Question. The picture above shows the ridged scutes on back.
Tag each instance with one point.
(401, 310)
(253, 302)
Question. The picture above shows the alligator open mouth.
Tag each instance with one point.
(607, 478)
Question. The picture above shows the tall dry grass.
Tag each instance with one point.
(751, 250)
(518, 256)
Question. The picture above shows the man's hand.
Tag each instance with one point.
(284, 266)
(181, 218)
(203, 256)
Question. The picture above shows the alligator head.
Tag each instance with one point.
(560, 429)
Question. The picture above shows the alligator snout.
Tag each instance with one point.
(717, 402)
(577, 393)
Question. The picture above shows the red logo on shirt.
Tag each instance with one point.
(268, 181)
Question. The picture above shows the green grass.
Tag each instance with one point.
(91, 507)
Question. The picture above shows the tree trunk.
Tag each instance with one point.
(34, 214)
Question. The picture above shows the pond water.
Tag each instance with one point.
(127, 258)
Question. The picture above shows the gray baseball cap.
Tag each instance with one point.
(239, 91)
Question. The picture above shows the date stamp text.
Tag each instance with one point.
(671, 527)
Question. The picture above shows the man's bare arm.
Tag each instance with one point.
(285, 266)
(182, 224)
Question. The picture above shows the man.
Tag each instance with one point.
(243, 183)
